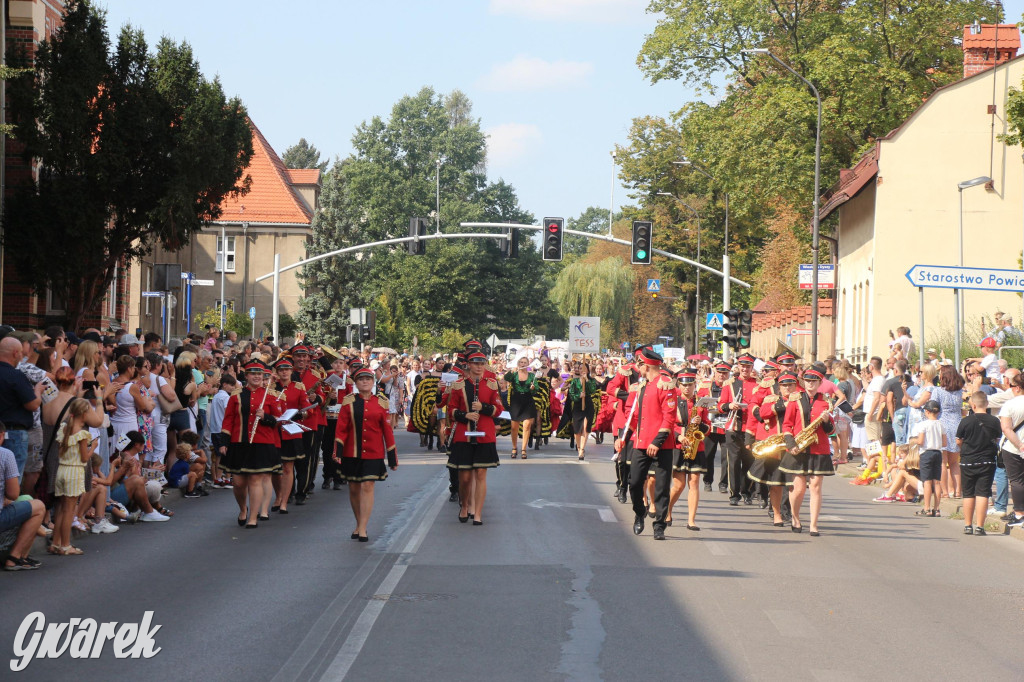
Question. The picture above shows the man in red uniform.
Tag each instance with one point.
(364, 439)
(315, 421)
(622, 392)
(473, 403)
(715, 442)
(649, 430)
(735, 398)
(339, 368)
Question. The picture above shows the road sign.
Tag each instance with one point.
(201, 282)
(954, 277)
(152, 294)
(659, 348)
(826, 276)
(714, 322)
(653, 285)
(584, 334)
(252, 313)
(801, 332)
(492, 341)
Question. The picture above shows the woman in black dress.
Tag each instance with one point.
(582, 401)
(522, 385)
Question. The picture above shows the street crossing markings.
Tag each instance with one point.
(790, 623)
(603, 510)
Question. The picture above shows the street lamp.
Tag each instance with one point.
(696, 313)
(726, 274)
(959, 315)
(817, 180)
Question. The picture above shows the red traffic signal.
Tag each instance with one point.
(551, 245)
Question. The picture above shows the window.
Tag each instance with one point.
(230, 254)
(55, 303)
(229, 304)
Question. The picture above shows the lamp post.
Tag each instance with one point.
(696, 311)
(726, 274)
(817, 181)
(959, 314)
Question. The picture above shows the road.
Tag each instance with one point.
(553, 586)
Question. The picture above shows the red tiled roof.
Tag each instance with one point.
(271, 198)
(800, 314)
(851, 181)
(1005, 36)
(304, 176)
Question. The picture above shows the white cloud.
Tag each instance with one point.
(509, 142)
(533, 73)
(574, 10)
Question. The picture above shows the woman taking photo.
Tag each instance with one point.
(949, 395)
(582, 401)
(364, 439)
(522, 387)
(805, 467)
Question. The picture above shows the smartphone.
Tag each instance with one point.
(90, 385)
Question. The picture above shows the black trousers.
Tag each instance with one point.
(327, 451)
(1015, 477)
(640, 462)
(714, 444)
(305, 469)
(621, 473)
(739, 460)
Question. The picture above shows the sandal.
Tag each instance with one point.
(923, 512)
(936, 513)
(523, 456)
(514, 454)
(164, 510)
(69, 550)
(54, 549)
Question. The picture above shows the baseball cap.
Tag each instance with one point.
(126, 340)
(988, 342)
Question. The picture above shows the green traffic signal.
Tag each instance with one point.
(641, 254)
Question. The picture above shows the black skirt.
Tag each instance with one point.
(697, 465)
(473, 456)
(582, 419)
(766, 470)
(521, 406)
(806, 464)
(254, 458)
(292, 450)
(356, 470)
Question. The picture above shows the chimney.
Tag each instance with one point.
(992, 45)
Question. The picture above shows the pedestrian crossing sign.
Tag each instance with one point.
(714, 322)
(653, 285)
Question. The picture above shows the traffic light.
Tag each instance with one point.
(710, 343)
(654, 294)
(417, 228)
(642, 240)
(368, 331)
(509, 247)
(744, 330)
(730, 328)
(552, 243)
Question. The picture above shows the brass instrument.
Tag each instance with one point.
(694, 433)
(773, 447)
(327, 350)
(782, 347)
(808, 435)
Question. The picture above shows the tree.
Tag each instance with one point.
(602, 289)
(129, 147)
(233, 321)
(286, 326)
(303, 155)
(594, 220)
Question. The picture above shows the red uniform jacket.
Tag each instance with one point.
(744, 392)
(460, 400)
(235, 426)
(752, 422)
(364, 430)
(654, 419)
(315, 417)
(769, 414)
(683, 407)
(292, 397)
(619, 390)
(801, 410)
(713, 390)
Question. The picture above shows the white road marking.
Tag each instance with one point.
(607, 515)
(603, 510)
(790, 623)
(719, 548)
(832, 518)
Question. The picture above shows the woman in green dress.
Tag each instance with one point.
(582, 402)
(522, 385)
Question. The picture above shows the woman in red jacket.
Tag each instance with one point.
(806, 467)
(364, 439)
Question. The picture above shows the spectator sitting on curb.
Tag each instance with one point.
(25, 515)
(127, 485)
(93, 502)
(906, 476)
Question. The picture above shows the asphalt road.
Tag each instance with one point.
(553, 586)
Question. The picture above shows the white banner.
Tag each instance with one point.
(584, 335)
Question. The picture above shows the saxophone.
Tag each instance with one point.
(808, 435)
(694, 433)
(772, 447)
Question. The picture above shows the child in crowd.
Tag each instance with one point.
(128, 487)
(928, 435)
(905, 476)
(215, 415)
(197, 462)
(76, 448)
(188, 470)
(92, 505)
(978, 437)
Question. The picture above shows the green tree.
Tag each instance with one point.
(233, 321)
(286, 326)
(603, 289)
(130, 147)
(594, 220)
(303, 155)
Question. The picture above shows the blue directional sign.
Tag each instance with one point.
(653, 285)
(714, 322)
(252, 313)
(659, 348)
(955, 277)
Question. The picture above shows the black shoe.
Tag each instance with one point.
(638, 525)
(659, 533)
(338, 485)
(968, 530)
(190, 494)
(747, 499)
(300, 500)
(261, 517)
(780, 524)
(980, 530)
(668, 523)
(723, 488)
(477, 523)
(463, 519)
(622, 495)
(364, 538)
(276, 508)
(355, 536)
(707, 487)
(326, 485)
(693, 528)
(815, 534)
(797, 529)
(454, 497)
(734, 501)
(202, 491)
(764, 503)
(282, 511)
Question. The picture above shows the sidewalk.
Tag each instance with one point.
(948, 507)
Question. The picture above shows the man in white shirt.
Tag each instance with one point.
(874, 401)
(906, 343)
(215, 419)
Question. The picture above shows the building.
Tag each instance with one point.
(275, 217)
(900, 206)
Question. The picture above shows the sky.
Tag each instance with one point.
(554, 82)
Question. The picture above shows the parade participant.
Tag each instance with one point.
(473, 403)
(293, 397)
(253, 452)
(445, 428)
(651, 424)
(522, 386)
(735, 398)
(766, 388)
(477, 347)
(333, 396)
(623, 389)
(315, 421)
(423, 412)
(765, 469)
(364, 440)
(715, 442)
(808, 417)
(582, 400)
(688, 459)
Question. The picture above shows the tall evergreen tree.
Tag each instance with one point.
(303, 155)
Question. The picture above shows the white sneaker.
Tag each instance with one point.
(992, 511)
(104, 526)
(154, 516)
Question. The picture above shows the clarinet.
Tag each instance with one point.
(256, 423)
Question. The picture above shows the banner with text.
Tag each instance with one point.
(584, 334)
